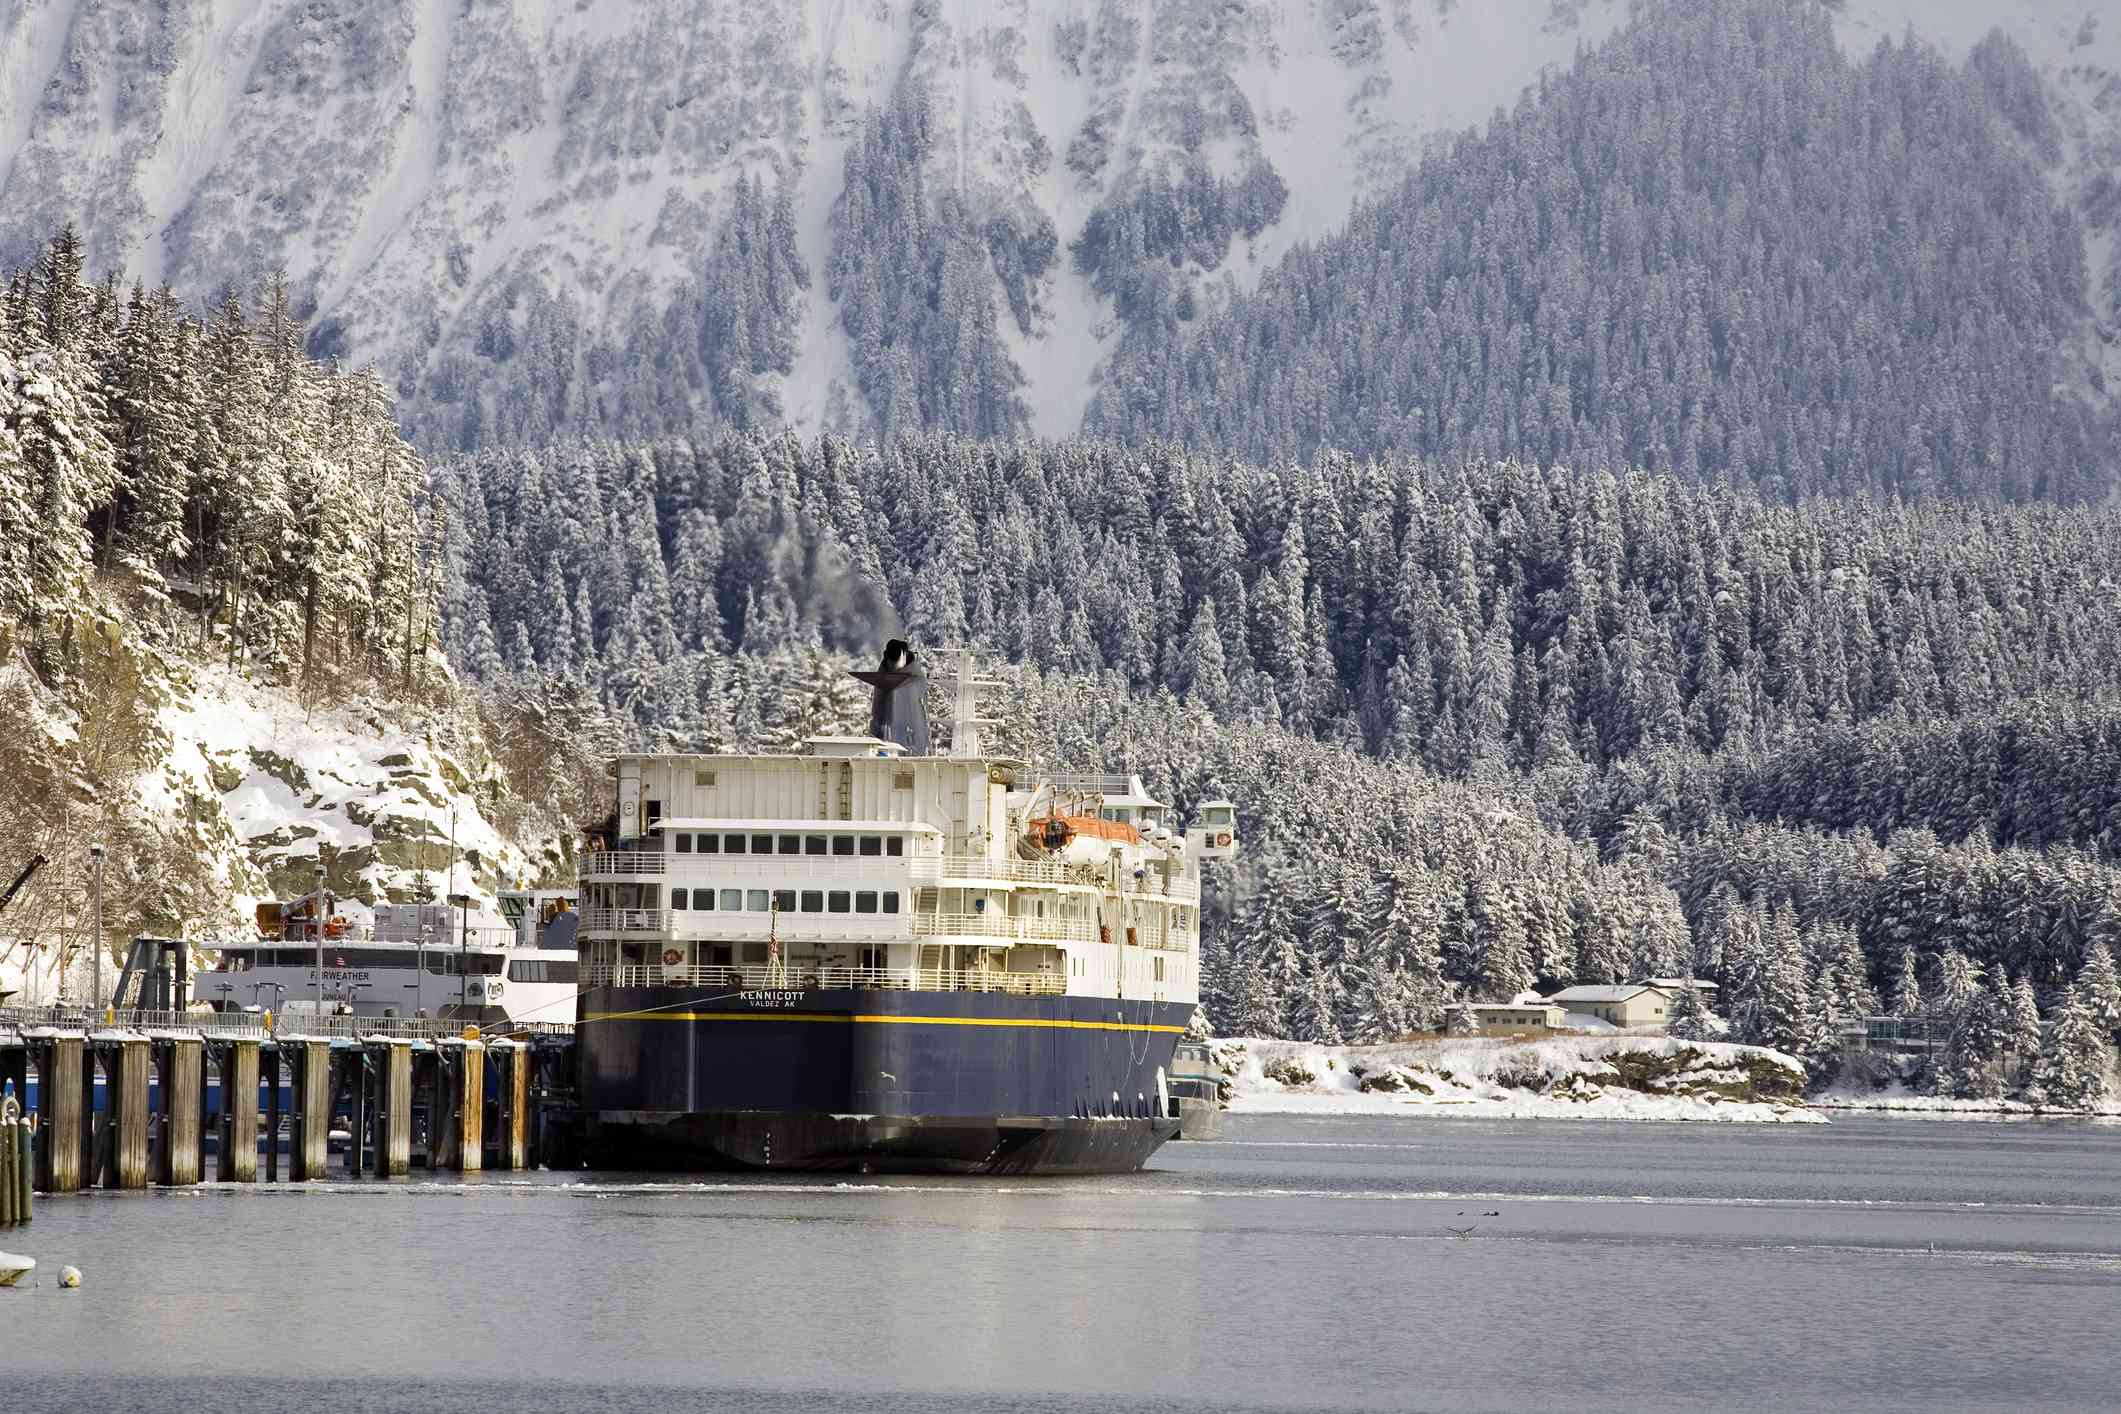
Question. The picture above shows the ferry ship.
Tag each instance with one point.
(419, 960)
(872, 958)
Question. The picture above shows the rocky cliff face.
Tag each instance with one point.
(213, 791)
(529, 202)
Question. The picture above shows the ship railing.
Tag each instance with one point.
(625, 861)
(939, 868)
(994, 925)
(626, 920)
(791, 976)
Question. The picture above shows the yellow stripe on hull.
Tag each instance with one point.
(881, 1019)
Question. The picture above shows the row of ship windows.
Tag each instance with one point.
(845, 846)
(439, 961)
(785, 900)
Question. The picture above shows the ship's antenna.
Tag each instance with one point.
(965, 720)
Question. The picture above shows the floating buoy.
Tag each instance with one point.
(69, 1278)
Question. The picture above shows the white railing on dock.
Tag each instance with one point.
(792, 977)
(253, 1024)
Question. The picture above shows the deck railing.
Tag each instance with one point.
(996, 925)
(793, 977)
(625, 861)
(626, 920)
(938, 869)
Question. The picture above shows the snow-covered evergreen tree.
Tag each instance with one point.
(2077, 1063)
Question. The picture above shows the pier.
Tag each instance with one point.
(134, 1100)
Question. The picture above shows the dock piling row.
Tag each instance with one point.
(120, 1109)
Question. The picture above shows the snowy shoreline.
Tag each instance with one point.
(1648, 1078)
(1899, 1102)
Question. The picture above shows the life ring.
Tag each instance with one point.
(1222, 841)
(672, 957)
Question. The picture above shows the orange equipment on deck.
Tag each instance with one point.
(1054, 831)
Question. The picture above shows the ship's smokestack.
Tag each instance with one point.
(898, 708)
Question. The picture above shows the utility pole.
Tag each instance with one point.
(95, 853)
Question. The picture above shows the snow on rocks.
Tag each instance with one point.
(377, 799)
(1584, 1077)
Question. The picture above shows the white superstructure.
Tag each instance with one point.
(857, 864)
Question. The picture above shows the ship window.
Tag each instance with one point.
(754, 953)
(720, 952)
(755, 901)
(902, 780)
(836, 901)
(784, 900)
(733, 900)
(684, 843)
(891, 900)
(872, 846)
(895, 846)
(865, 901)
(813, 844)
(677, 900)
(703, 898)
(1159, 969)
(791, 844)
(703, 780)
(732, 844)
(813, 901)
(843, 844)
(762, 844)
(651, 895)
(483, 964)
(710, 844)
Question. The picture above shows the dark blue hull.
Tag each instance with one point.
(880, 1081)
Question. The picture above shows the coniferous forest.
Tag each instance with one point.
(1488, 725)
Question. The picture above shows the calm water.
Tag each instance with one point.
(1302, 1263)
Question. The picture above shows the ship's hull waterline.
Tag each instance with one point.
(816, 1079)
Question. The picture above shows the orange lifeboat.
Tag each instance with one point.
(1055, 831)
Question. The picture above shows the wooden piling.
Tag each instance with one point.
(312, 1099)
(183, 1063)
(25, 1165)
(128, 1113)
(59, 1098)
(512, 1143)
(470, 1152)
(239, 1113)
(10, 1189)
(393, 1126)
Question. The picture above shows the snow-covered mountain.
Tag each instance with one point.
(522, 192)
